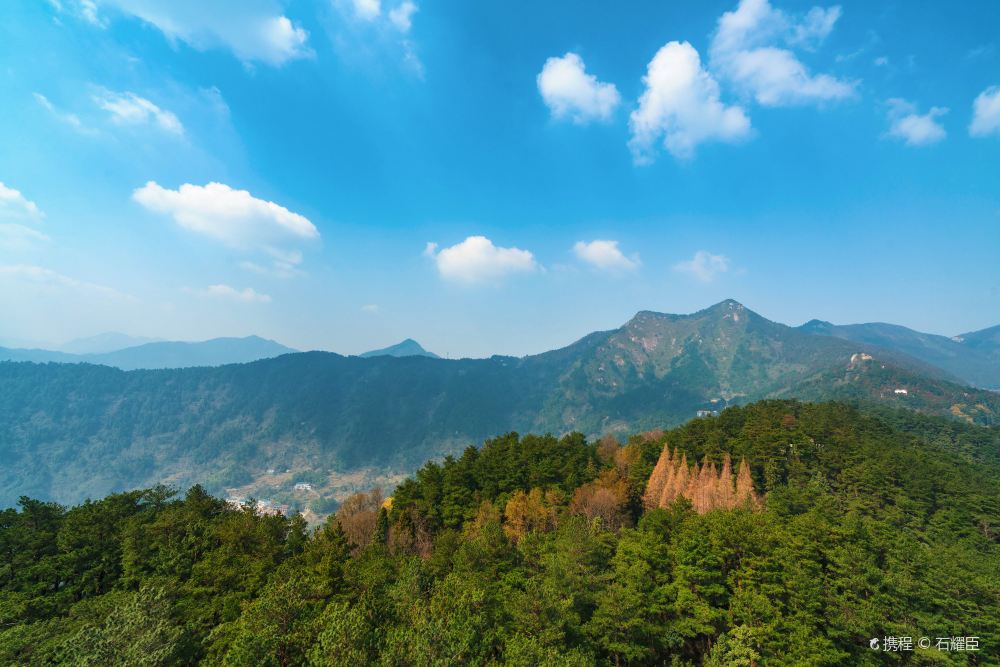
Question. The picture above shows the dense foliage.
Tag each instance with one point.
(537, 551)
(876, 383)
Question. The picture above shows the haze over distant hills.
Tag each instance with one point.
(974, 357)
(406, 348)
(69, 431)
(109, 341)
(163, 354)
(132, 353)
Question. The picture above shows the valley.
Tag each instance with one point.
(72, 431)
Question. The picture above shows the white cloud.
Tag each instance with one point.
(70, 119)
(570, 92)
(369, 26)
(227, 293)
(254, 30)
(605, 255)
(704, 266)
(277, 269)
(402, 15)
(88, 10)
(130, 109)
(83, 9)
(19, 237)
(743, 51)
(369, 10)
(881, 61)
(411, 59)
(14, 205)
(981, 51)
(814, 28)
(477, 260)
(986, 113)
(233, 217)
(51, 279)
(681, 105)
(370, 308)
(913, 128)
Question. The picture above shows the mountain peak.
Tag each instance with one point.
(405, 348)
(730, 310)
(814, 326)
(726, 309)
(726, 306)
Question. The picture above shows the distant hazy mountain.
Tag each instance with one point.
(109, 341)
(37, 356)
(973, 357)
(406, 348)
(986, 342)
(69, 431)
(214, 352)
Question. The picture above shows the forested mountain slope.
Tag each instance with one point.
(974, 357)
(538, 551)
(72, 431)
(867, 380)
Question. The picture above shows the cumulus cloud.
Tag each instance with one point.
(570, 92)
(605, 255)
(745, 50)
(704, 266)
(476, 260)
(233, 217)
(986, 113)
(254, 30)
(681, 106)
(814, 27)
(52, 279)
(130, 109)
(912, 128)
(402, 16)
(14, 205)
(227, 293)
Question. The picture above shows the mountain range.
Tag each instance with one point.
(109, 341)
(974, 357)
(158, 354)
(133, 353)
(68, 431)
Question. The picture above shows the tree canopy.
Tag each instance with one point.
(538, 550)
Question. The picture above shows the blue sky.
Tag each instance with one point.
(492, 177)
